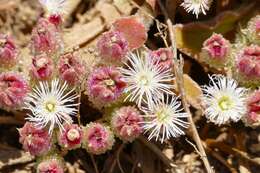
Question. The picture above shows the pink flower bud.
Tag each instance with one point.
(253, 109)
(105, 84)
(126, 123)
(45, 38)
(42, 67)
(248, 63)
(13, 89)
(163, 57)
(70, 137)
(112, 46)
(71, 69)
(98, 138)
(8, 51)
(133, 30)
(216, 51)
(36, 141)
(51, 165)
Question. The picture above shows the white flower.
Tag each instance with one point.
(51, 105)
(164, 118)
(196, 6)
(224, 101)
(146, 80)
(54, 7)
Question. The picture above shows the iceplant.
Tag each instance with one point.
(224, 100)
(126, 123)
(35, 140)
(146, 80)
(164, 118)
(51, 105)
(216, 51)
(98, 138)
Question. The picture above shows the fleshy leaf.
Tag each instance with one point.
(133, 30)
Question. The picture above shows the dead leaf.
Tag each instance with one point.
(124, 6)
(152, 4)
(192, 90)
(70, 7)
(108, 11)
(243, 169)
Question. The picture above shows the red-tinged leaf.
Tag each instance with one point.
(133, 30)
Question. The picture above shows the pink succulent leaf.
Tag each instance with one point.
(50, 166)
(36, 141)
(71, 69)
(98, 138)
(248, 62)
(112, 46)
(126, 123)
(163, 57)
(42, 67)
(45, 38)
(71, 136)
(105, 84)
(13, 90)
(253, 108)
(8, 51)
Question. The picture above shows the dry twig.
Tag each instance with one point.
(94, 163)
(115, 160)
(221, 159)
(178, 64)
(212, 143)
(118, 158)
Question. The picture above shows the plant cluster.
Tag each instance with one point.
(131, 84)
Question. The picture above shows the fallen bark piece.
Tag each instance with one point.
(11, 156)
(82, 34)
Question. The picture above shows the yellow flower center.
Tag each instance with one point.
(50, 106)
(109, 82)
(197, 1)
(143, 80)
(162, 115)
(225, 103)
